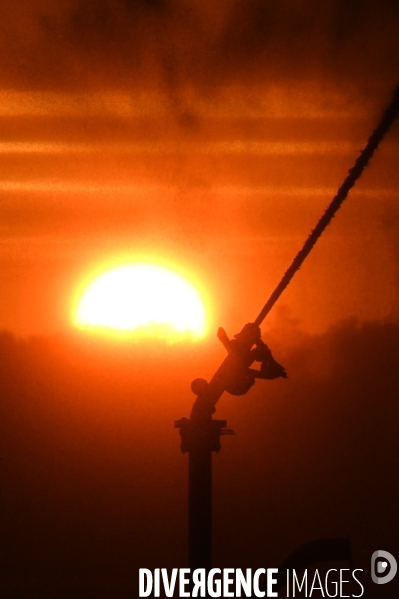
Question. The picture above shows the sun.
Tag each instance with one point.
(142, 299)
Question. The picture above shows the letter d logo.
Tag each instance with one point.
(383, 563)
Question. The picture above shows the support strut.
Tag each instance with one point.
(200, 437)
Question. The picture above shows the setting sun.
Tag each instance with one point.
(142, 298)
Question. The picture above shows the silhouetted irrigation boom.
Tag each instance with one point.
(200, 434)
(374, 140)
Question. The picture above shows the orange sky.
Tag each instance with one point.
(188, 132)
(211, 135)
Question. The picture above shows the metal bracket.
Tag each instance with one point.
(201, 433)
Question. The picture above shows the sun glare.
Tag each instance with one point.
(142, 299)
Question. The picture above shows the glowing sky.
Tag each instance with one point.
(213, 136)
(210, 135)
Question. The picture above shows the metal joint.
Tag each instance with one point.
(201, 434)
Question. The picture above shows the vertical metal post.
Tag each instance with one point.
(200, 437)
(200, 507)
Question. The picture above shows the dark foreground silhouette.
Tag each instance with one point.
(93, 484)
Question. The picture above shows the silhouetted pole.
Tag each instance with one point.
(200, 507)
(200, 436)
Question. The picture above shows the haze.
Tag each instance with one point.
(213, 136)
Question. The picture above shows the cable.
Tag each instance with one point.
(362, 161)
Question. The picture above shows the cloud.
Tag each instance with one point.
(172, 45)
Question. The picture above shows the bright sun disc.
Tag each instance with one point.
(142, 298)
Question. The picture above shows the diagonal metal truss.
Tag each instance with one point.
(362, 161)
